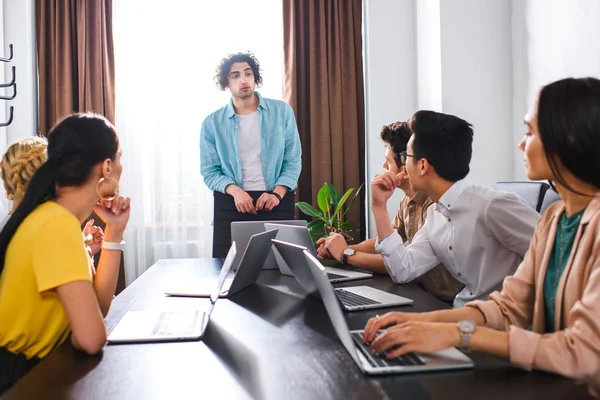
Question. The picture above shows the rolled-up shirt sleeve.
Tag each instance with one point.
(406, 263)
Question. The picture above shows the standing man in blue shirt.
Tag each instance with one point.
(250, 154)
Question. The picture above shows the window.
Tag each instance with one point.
(166, 53)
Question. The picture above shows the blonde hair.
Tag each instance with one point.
(20, 162)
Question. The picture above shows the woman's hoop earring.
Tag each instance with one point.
(109, 197)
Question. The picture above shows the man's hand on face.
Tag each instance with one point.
(404, 181)
(383, 186)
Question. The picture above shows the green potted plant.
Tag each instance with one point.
(330, 217)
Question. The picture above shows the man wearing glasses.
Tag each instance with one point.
(409, 218)
(479, 234)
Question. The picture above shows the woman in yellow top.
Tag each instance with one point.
(46, 288)
(19, 163)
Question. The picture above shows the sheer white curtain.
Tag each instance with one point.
(166, 53)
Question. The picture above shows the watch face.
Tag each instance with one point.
(467, 326)
(349, 251)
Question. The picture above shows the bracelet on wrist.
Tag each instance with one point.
(276, 195)
(118, 246)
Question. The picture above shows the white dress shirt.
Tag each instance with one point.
(479, 234)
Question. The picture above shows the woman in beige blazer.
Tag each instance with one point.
(547, 316)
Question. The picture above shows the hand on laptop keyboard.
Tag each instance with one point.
(414, 336)
(386, 320)
(383, 360)
(377, 335)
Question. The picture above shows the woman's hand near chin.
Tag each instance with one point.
(115, 214)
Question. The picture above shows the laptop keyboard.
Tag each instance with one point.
(350, 299)
(179, 322)
(331, 276)
(376, 360)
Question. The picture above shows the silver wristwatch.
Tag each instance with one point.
(466, 329)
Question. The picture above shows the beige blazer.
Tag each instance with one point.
(574, 349)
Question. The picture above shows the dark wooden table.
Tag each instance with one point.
(267, 342)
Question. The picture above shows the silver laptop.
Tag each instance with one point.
(368, 361)
(169, 326)
(241, 232)
(301, 236)
(352, 298)
(251, 264)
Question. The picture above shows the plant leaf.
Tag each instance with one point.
(317, 237)
(315, 222)
(316, 227)
(354, 198)
(348, 226)
(334, 195)
(343, 200)
(323, 199)
(318, 234)
(309, 210)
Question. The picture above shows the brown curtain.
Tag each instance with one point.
(75, 59)
(76, 66)
(323, 82)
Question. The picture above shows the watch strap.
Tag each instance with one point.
(465, 338)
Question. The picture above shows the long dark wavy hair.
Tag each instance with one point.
(569, 125)
(75, 146)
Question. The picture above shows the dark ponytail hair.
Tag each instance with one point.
(569, 125)
(75, 146)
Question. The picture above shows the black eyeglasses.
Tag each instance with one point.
(404, 157)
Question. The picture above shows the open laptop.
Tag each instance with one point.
(367, 360)
(242, 231)
(251, 264)
(169, 326)
(352, 298)
(301, 236)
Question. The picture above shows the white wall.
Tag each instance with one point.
(450, 56)
(477, 80)
(552, 39)
(17, 27)
(520, 73)
(429, 55)
(390, 76)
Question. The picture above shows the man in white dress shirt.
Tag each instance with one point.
(479, 234)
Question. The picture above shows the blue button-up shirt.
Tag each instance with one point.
(279, 145)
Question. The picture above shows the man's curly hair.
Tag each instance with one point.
(222, 72)
(396, 135)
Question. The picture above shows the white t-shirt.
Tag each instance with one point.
(249, 151)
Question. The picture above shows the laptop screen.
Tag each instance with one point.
(298, 235)
(222, 276)
(332, 305)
